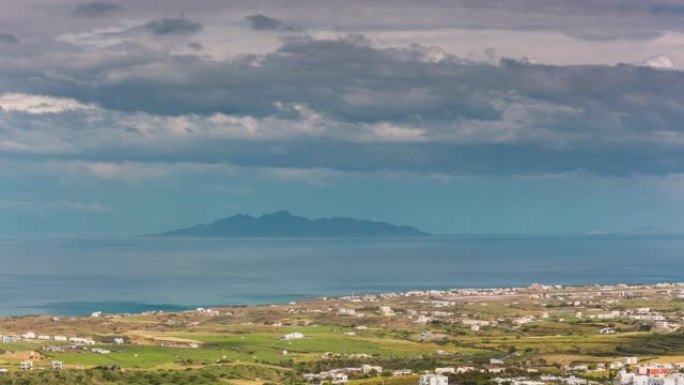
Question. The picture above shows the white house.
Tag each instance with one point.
(8, 339)
(446, 370)
(26, 365)
(402, 372)
(82, 341)
(465, 369)
(433, 379)
(366, 369)
(294, 336)
(118, 341)
(346, 312)
(57, 365)
(339, 378)
(385, 310)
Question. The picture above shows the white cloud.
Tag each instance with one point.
(39, 104)
(660, 62)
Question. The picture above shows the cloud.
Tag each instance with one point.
(125, 171)
(38, 104)
(96, 9)
(62, 205)
(179, 26)
(666, 9)
(313, 102)
(658, 62)
(259, 22)
(8, 38)
(195, 46)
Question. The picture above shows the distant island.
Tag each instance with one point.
(284, 224)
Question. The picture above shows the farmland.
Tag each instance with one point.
(547, 329)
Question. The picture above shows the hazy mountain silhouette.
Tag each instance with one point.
(284, 224)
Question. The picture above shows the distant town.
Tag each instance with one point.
(541, 334)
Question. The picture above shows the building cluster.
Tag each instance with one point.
(341, 375)
(652, 374)
(31, 336)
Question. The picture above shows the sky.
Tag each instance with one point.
(460, 116)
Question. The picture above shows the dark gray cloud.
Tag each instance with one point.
(473, 118)
(261, 22)
(426, 158)
(195, 46)
(96, 9)
(351, 81)
(670, 9)
(180, 26)
(8, 38)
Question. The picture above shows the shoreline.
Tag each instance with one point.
(469, 293)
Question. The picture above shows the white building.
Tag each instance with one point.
(57, 365)
(446, 370)
(29, 335)
(611, 315)
(346, 312)
(339, 378)
(433, 379)
(366, 369)
(385, 310)
(8, 340)
(118, 341)
(26, 365)
(294, 336)
(402, 372)
(82, 341)
(465, 369)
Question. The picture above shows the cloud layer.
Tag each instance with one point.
(154, 88)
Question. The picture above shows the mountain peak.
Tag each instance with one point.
(281, 213)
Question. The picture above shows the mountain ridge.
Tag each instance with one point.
(284, 224)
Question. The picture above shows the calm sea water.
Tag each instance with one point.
(78, 276)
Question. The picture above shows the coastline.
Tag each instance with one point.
(462, 294)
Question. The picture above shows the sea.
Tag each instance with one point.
(70, 276)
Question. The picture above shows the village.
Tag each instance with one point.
(541, 334)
